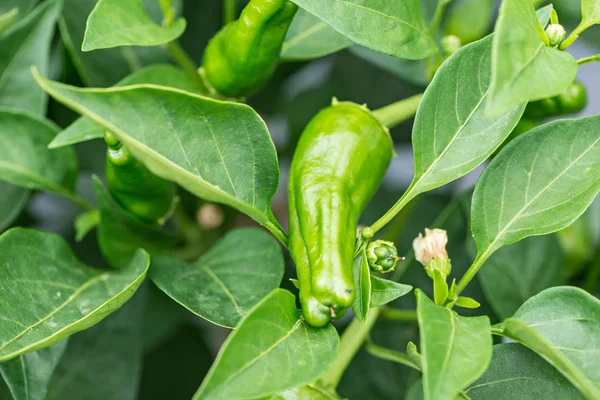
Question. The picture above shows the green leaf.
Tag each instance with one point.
(25, 160)
(590, 11)
(105, 361)
(543, 15)
(523, 68)
(28, 375)
(308, 37)
(538, 184)
(563, 326)
(396, 28)
(440, 288)
(85, 223)
(115, 23)
(159, 74)
(53, 295)
(308, 392)
(24, 6)
(217, 150)
(7, 18)
(516, 272)
(211, 286)
(384, 291)
(120, 233)
(412, 71)
(12, 202)
(517, 370)
(271, 350)
(362, 283)
(24, 44)
(452, 133)
(456, 350)
(467, 302)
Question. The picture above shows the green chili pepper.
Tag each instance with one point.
(338, 165)
(133, 186)
(241, 57)
(571, 101)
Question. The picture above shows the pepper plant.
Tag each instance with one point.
(214, 200)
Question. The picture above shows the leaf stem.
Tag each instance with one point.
(390, 355)
(589, 59)
(472, 271)
(395, 113)
(574, 35)
(437, 15)
(391, 213)
(229, 11)
(278, 233)
(396, 314)
(185, 61)
(497, 331)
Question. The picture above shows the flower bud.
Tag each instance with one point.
(556, 34)
(382, 256)
(450, 44)
(431, 251)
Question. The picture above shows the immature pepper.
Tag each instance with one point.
(338, 165)
(241, 57)
(133, 186)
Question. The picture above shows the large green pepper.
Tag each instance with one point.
(133, 186)
(241, 57)
(338, 165)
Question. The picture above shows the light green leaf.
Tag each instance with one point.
(396, 28)
(516, 369)
(515, 273)
(538, 184)
(115, 23)
(47, 294)
(590, 10)
(105, 361)
(456, 350)
(309, 37)
(452, 133)
(412, 71)
(12, 201)
(384, 291)
(28, 375)
(271, 350)
(543, 15)
(217, 150)
(362, 283)
(523, 68)
(7, 18)
(308, 392)
(160, 74)
(24, 44)
(25, 160)
(211, 286)
(85, 223)
(563, 326)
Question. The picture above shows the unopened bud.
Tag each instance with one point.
(556, 34)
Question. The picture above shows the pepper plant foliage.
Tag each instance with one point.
(182, 184)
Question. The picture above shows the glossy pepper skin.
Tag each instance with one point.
(338, 165)
(133, 186)
(571, 101)
(241, 57)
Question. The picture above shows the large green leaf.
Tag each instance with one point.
(28, 375)
(24, 44)
(452, 133)
(12, 201)
(46, 294)
(272, 350)
(519, 372)
(396, 27)
(25, 160)
(590, 10)
(563, 326)
(515, 273)
(159, 74)
(222, 286)
(105, 361)
(220, 151)
(115, 23)
(456, 350)
(309, 37)
(523, 67)
(539, 183)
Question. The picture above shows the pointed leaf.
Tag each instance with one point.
(217, 150)
(563, 326)
(538, 184)
(47, 294)
(590, 10)
(271, 350)
(523, 68)
(85, 223)
(384, 291)
(456, 350)
(362, 283)
(211, 286)
(396, 28)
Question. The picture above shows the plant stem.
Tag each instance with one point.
(574, 35)
(472, 271)
(185, 61)
(395, 113)
(589, 59)
(390, 355)
(392, 212)
(229, 11)
(497, 331)
(278, 233)
(437, 15)
(352, 339)
(396, 314)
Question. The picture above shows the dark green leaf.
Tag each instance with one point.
(226, 282)
(384, 291)
(362, 283)
(271, 350)
(12, 201)
(412, 71)
(85, 223)
(47, 294)
(24, 6)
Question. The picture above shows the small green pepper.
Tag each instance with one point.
(338, 165)
(241, 57)
(133, 186)
(571, 101)
(382, 256)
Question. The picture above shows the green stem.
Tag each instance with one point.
(574, 35)
(230, 11)
(399, 111)
(390, 355)
(352, 339)
(185, 61)
(589, 59)
(437, 15)
(277, 232)
(396, 314)
(497, 331)
(471, 272)
(391, 213)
